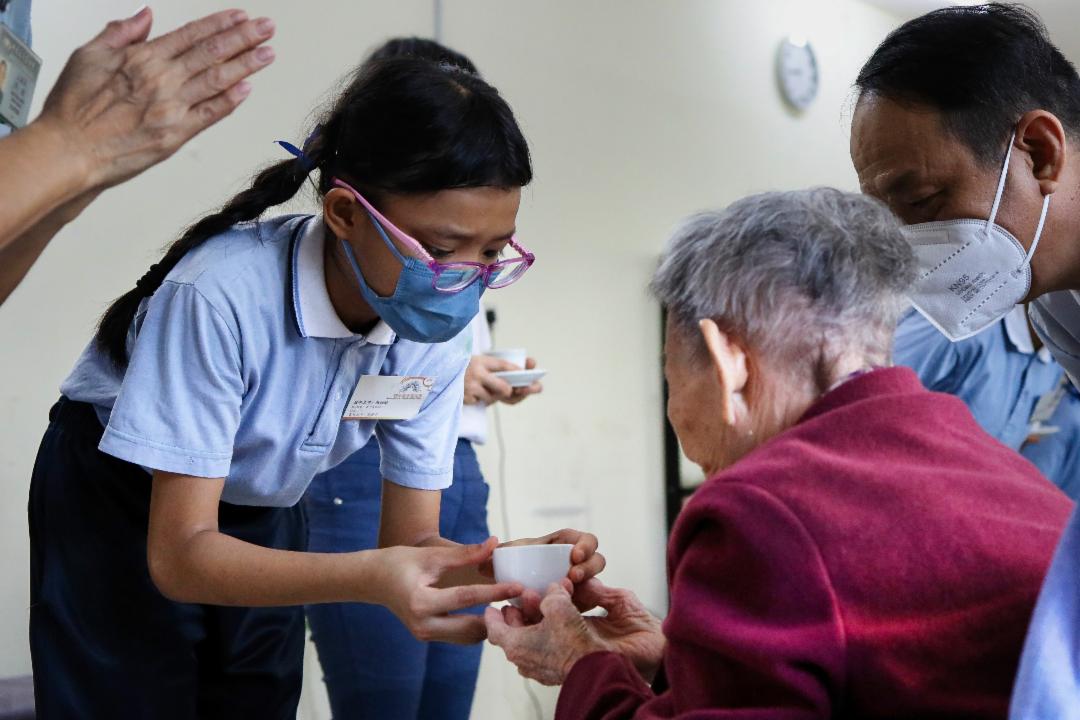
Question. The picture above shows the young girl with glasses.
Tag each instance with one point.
(168, 561)
(372, 666)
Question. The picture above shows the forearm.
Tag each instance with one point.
(39, 172)
(19, 255)
(216, 569)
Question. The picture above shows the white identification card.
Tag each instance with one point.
(388, 397)
(19, 67)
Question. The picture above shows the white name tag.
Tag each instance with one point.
(388, 397)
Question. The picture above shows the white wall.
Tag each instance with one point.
(638, 112)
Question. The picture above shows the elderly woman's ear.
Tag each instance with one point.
(728, 360)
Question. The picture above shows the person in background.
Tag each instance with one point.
(967, 124)
(861, 549)
(1013, 385)
(372, 665)
(98, 128)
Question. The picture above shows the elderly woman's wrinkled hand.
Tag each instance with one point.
(546, 651)
(123, 103)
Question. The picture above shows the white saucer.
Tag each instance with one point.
(520, 378)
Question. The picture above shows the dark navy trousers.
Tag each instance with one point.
(105, 643)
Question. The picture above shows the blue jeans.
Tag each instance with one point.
(373, 667)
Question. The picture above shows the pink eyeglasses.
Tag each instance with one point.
(451, 277)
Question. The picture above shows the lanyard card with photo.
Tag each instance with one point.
(388, 397)
(19, 67)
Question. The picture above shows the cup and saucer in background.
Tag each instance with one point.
(516, 378)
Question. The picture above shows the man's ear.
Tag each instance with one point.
(1043, 137)
(341, 212)
(728, 361)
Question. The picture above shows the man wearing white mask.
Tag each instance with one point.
(967, 125)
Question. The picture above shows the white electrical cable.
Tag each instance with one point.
(504, 511)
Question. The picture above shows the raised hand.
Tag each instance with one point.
(123, 103)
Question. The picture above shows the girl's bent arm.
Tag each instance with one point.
(191, 561)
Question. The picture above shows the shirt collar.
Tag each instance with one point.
(1019, 334)
(315, 314)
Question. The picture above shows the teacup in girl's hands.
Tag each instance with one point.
(534, 566)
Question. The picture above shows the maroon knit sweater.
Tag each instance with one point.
(880, 559)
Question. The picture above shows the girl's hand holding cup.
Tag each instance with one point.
(408, 577)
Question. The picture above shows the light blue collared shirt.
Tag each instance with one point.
(240, 368)
(1001, 377)
(16, 17)
(1048, 682)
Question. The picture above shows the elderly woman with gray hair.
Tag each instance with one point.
(861, 548)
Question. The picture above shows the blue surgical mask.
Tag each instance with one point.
(416, 310)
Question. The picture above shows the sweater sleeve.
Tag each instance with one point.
(753, 632)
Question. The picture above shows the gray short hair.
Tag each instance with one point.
(792, 272)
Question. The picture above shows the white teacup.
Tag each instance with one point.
(514, 356)
(534, 566)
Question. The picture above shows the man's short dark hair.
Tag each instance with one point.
(981, 67)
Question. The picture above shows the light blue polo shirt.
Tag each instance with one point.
(1048, 681)
(1003, 379)
(240, 368)
(997, 372)
(16, 17)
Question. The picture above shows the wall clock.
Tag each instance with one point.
(797, 72)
